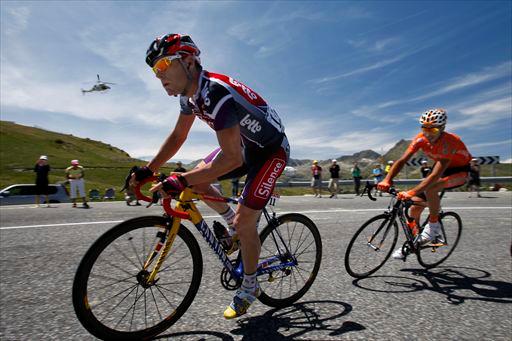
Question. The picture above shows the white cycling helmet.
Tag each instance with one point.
(434, 118)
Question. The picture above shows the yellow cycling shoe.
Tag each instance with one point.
(241, 302)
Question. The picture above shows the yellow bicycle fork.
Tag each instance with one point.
(185, 204)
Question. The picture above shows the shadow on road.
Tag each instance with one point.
(196, 335)
(285, 323)
(457, 283)
(298, 320)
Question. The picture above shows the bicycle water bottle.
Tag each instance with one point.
(222, 235)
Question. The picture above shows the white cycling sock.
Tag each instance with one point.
(229, 217)
(249, 282)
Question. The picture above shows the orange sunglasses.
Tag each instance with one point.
(164, 63)
(430, 130)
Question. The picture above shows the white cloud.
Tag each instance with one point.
(313, 137)
(18, 20)
(481, 115)
(491, 144)
(373, 46)
(360, 70)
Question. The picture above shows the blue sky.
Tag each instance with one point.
(344, 76)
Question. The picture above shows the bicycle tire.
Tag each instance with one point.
(88, 314)
(299, 249)
(425, 254)
(352, 262)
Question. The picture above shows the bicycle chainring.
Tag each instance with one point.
(227, 280)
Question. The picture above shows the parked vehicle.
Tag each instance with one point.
(26, 194)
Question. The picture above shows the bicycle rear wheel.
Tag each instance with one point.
(371, 246)
(436, 252)
(111, 298)
(294, 237)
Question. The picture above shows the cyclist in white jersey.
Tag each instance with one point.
(251, 140)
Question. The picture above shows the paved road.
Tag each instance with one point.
(468, 298)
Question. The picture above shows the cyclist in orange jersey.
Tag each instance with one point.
(449, 171)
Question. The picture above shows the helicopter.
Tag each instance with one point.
(99, 86)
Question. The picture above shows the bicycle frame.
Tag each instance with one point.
(186, 209)
(399, 210)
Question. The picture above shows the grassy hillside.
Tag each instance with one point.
(106, 166)
(20, 147)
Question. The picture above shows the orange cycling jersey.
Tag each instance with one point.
(448, 146)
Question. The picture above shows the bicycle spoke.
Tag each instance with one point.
(126, 257)
(108, 312)
(156, 304)
(307, 247)
(165, 297)
(158, 286)
(133, 312)
(115, 279)
(128, 310)
(118, 268)
(141, 263)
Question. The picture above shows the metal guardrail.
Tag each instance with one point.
(491, 179)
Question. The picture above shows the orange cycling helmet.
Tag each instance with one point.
(171, 44)
(434, 118)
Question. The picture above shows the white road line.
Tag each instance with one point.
(304, 212)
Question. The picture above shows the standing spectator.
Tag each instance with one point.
(316, 181)
(425, 169)
(75, 175)
(42, 168)
(388, 167)
(129, 197)
(335, 177)
(234, 187)
(474, 177)
(378, 175)
(179, 168)
(356, 175)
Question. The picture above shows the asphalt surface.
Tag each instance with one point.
(467, 298)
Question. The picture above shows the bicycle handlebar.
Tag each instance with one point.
(166, 202)
(393, 191)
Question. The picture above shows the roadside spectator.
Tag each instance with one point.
(316, 180)
(474, 178)
(75, 175)
(335, 177)
(130, 197)
(425, 169)
(42, 168)
(356, 175)
(179, 168)
(388, 167)
(378, 175)
(234, 187)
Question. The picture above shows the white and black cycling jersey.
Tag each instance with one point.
(222, 102)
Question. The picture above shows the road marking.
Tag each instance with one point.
(216, 216)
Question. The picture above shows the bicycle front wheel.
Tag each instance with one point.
(111, 296)
(436, 252)
(294, 238)
(371, 246)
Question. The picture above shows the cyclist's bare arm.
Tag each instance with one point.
(228, 159)
(173, 142)
(433, 177)
(397, 166)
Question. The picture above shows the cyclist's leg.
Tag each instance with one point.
(245, 224)
(263, 172)
(207, 188)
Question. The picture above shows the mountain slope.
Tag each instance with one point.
(20, 147)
